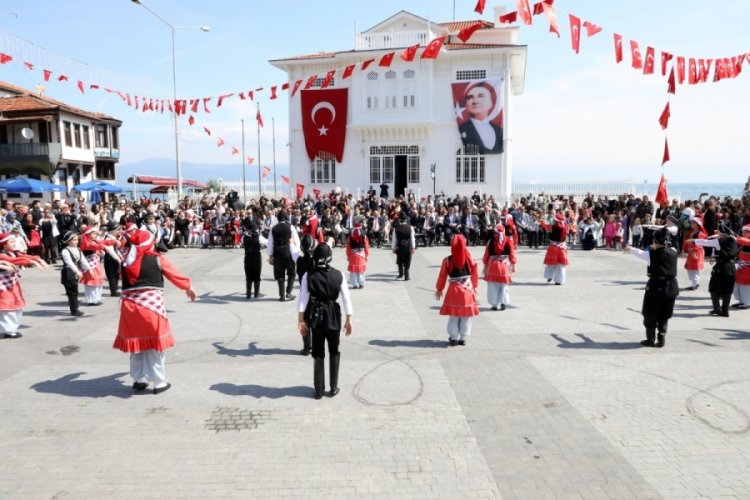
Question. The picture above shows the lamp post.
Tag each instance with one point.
(172, 29)
(432, 174)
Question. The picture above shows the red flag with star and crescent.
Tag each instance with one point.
(285, 179)
(324, 114)
(266, 171)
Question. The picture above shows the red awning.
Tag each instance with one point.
(165, 181)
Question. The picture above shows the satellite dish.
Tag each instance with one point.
(27, 133)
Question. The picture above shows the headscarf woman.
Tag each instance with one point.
(12, 301)
(357, 253)
(499, 265)
(459, 270)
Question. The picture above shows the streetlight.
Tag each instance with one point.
(432, 174)
(172, 28)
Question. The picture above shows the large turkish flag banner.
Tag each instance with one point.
(324, 121)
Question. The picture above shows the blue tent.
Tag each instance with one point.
(26, 185)
(98, 186)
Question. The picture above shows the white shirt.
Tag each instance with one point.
(486, 132)
(293, 241)
(304, 295)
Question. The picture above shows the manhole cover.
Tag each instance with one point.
(235, 419)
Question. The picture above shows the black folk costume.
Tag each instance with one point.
(661, 289)
(320, 316)
(403, 244)
(282, 240)
(724, 272)
(304, 264)
(251, 242)
(112, 259)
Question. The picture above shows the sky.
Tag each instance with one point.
(581, 117)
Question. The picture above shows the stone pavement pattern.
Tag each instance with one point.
(552, 398)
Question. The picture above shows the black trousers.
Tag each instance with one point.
(403, 259)
(319, 339)
(284, 267)
(71, 290)
(112, 270)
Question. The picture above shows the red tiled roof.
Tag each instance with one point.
(460, 25)
(26, 100)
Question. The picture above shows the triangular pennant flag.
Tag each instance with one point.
(618, 48)
(29, 66)
(386, 60)
(273, 93)
(191, 120)
(479, 7)
(664, 118)
(433, 48)
(665, 158)
(79, 84)
(235, 151)
(510, 17)
(409, 53)
(5, 58)
(219, 142)
(591, 28)
(62, 78)
(662, 196)
(366, 63)
(348, 71)
(635, 52)
(524, 11)
(466, 33)
(208, 132)
(328, 79)
(575, 32)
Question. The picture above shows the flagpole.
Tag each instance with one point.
(273, 132)
(257, 123)
(244, 188)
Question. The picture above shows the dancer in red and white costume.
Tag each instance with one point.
(11, 295)
(93, 247)
(694, 253)
(742, 279)
(144, 329)
(357, 252)
(556, 258)
(499, 265)
(460, 270)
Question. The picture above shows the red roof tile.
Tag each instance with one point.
(460, 25)
(27, 100)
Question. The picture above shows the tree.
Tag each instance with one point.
(213, 185)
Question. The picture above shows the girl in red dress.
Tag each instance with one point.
(694, 253)
(357, 252)
(460, 271)
(11, 295)
(499, 265)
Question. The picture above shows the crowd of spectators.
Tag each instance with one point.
(218, 219)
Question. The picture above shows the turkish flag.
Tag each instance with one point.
(479, 8)
(704, 68)
(5, 58)
(618, 48)
(219, 142)
(348, 71)
(266, 171)
(316, 192)
(250, 160)
(433, 48)
(324, 115)
(300, 190)
(635, 52)
(671, 83)
(692, 71)
(591, 28)
(191, 120)
(235, 151)
(648, 65)
(549, 11)
(295, 88)
(508, 18)
(310, 81)
(575, 32)
(524, 11)
(662, 196)
(387, 60)
(273, 92)
(259, 118)
(665, 58)
(366, 63)
(29, 66)
(680, 69)
(80, 86)
(664, 118)
(409, 53)
(285, 179)
(62, 78)
(466, 33)
(206, 100)
(328, 79)
(665, 158)
(194, 105)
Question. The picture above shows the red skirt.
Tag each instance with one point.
(695, 257)
(498, 271)
(94, 276)
(12, 299)
(743, 275)
(141, 329)
(357, 263)
(556, 255)
(459, 301)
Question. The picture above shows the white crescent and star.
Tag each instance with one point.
(323, 105)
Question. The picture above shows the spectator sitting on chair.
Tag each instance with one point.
(470, 226)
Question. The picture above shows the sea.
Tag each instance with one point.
(689, 191)
(681, 191)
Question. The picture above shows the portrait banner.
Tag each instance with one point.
(478, 106)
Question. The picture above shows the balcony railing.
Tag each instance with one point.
(32, 150)
(391, 40)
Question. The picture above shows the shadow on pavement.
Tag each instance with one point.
(101, 387)
(588, 343)
(260, 391)
(409, 343)
(252, 350)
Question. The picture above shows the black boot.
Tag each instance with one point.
(256, 288)
(716, 311)
(406, 274)
(660, 339)
(289, 288)
(73, 305)
(400, 271)
(306, 344)
(319, 377)
(248, 291)
(334, 373)
(725, 299)
(282, 295)
(650, 336)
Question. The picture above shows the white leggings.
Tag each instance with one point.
(459, 327)
(148, 365)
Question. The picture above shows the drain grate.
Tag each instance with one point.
(235, 419)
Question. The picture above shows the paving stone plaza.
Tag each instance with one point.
(552, 398)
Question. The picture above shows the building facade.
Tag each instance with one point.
(402, 126)
(45, 139)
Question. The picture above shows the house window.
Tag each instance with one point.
(372, 103)
(66, 134)
(383, 162)
(390, 102)
(410, 101)
(77, 134)
(413, 169)
(409, 73)
(471, 74)
(372, 75)
(390, 75)
(101, 137)
(375, 170)
(115, 138)
(470, 165)
(86, 138)
(323, 169)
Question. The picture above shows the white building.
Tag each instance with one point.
(45, 139)
(401, 120)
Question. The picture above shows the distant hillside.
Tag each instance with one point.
(201, 172)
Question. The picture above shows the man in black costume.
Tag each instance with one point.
(319, 315)
(403, 244)
(724, 272)
(661, 289)
(281, 239)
